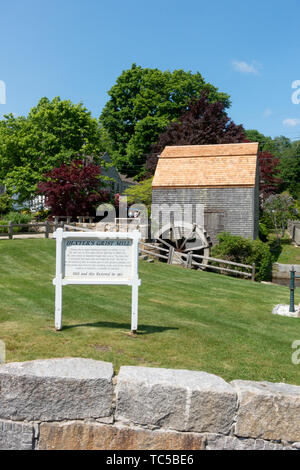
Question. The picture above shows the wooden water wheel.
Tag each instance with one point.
(184, 238)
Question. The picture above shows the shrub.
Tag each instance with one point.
(243, 250)
(41, 215)
(15, 218)
(263, 260)
(263, 232)
(5, 203)
(3, 229)
(18, 217)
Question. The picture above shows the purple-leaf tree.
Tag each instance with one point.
(73, 189)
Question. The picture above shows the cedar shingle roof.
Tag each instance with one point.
(207, 166)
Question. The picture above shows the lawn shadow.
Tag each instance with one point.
(142, 329)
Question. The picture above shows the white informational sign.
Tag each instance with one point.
(96, 258)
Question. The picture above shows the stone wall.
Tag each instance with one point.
(283, 271)
(77, 403)
(234, 210)
(294, 230)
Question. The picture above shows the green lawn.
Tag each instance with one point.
(290, 255)
(187, 319)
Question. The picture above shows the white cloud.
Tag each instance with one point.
(291, 122)
(244, 67)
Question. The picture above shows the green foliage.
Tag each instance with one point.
(5, 203)
(3, 229)
(263, 232)
(276, 146)
(279, 145)
(16, 218)
(254, 136)
(288, 153)
(262, 257)
(245, 251)
(280, 208)
(275, 248)
(141, 104)
(41, 215)
(266, 220)
(53, 133)
(19, 217)
(140, 193)
(290, 254)
(290, 169)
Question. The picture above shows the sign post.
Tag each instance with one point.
(96, 258)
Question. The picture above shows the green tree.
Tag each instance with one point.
(285, 157)
(290, 169)
(279, 145)
(254, 136)
(53, 133)
(5, 204)
(140, 193)
(142, 103)
(276, 146)
(280, 208)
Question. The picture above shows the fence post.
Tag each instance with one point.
(170, 256)
(10, 230)
(189, 260)
(292, 290)
(47, 229)
(253, 272)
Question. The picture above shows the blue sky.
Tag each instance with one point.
(76, 49)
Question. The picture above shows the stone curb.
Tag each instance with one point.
(56, 389)
(175, 399)
(268, 410)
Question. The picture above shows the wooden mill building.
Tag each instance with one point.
(224, 178)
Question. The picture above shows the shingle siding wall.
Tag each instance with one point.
(233, 210)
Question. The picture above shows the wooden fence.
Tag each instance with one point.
(80, 218)
(49, 228)
(191, 260)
